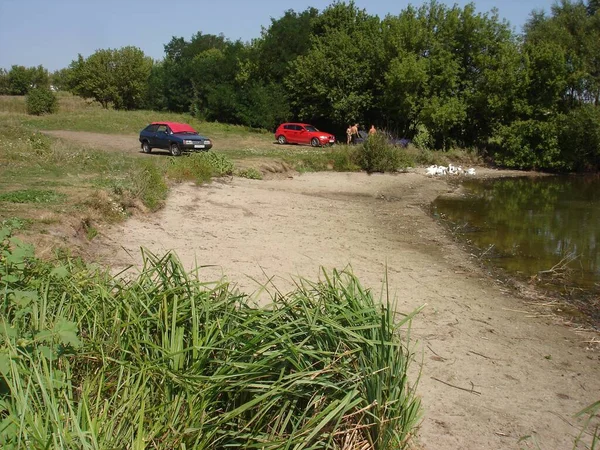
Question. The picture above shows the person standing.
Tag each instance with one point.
(354, 130)
(372, 130)
(349, 135)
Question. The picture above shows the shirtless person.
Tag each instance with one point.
(354, 131)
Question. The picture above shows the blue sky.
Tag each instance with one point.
(54, 32)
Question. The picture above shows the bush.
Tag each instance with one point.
(251, 173)
(200, 167)
(423, 139)
(378, 155)
(41, 101)
(194, 168)
(221, 165)
(579, 138)
(528, 144)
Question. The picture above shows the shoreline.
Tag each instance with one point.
(529, 370)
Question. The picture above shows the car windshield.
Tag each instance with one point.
(310, 128)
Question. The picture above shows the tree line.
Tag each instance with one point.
(443, 76)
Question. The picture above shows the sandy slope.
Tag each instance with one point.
(518, 373)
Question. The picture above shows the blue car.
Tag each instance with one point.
(174, 137)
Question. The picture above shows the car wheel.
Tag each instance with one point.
(146, 147)
(175, 150)
(282, 140)
(315, 142)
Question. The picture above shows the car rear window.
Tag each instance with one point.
(288, 127)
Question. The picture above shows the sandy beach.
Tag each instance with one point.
(493, 367)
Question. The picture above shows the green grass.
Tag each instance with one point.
(166, 360)
(31, 196)
(54, 176)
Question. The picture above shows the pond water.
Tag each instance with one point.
(546, 226)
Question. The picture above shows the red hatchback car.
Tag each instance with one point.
(302, 133)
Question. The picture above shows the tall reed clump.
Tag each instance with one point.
(167, 361)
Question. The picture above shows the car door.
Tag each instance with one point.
(303, 136)
(289, 132)
(150, 135)
(162, 137)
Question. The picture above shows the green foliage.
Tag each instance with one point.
(286, 38)
(345, 158)
(250, 173)
(31, 196)
(165, 360)
(377, 155)
(219, 163)
(579, 138)
(195, 168)
(149, 185)
(423, 139)
(463, 75)
(112, 77)
(41, 101)
(529, 144)
(4, 82)
(22, 79)
(200, 167)
(334, 79)
(15, 223)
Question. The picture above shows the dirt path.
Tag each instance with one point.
(118, 142)
(492, 372)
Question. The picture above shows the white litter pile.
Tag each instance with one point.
(450, 170)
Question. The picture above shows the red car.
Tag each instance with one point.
(302, 133)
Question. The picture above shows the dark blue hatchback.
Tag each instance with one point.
(173, 136)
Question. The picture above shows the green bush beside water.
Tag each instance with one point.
(164, 360)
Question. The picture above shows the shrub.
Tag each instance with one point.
(250, 173)
(579, 138)
(423, 139)
(194, 168)
(41, 101)
(378, 155)
(200, 167)
(221, 165)
(528, 144)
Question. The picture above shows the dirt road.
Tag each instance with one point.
(493, 370)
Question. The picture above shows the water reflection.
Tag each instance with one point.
(531, 224)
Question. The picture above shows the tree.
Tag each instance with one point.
(113, 77)
(286, 38)
(4, 82)
(335, 82)
(21, 79)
